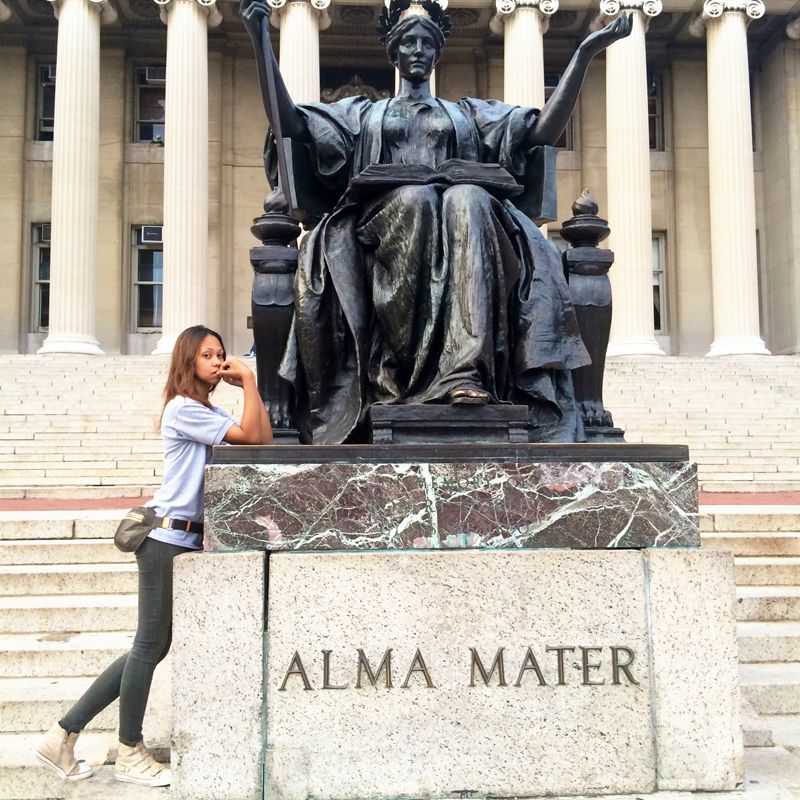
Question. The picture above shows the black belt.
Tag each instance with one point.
(186, 525)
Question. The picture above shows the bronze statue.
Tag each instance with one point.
(423, 279)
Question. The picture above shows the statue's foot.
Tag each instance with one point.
(468, 395)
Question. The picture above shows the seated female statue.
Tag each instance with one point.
(425, 282)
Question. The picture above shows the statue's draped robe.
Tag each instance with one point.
(423, 289)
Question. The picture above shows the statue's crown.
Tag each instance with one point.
(389, 17)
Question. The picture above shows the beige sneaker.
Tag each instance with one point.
(137, 765)
(56, 749)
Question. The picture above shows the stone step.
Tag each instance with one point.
(58, 524)
(29, 704)
(785, 730)
(63, 579)
(75, 612)
(767, 571)
(67, 551)
(751, 543)
(771, 688)
(68, 654)
(767, 603)
(729, 518)
(754, 486)
(60, 492)
(768, 641)
(755, 731)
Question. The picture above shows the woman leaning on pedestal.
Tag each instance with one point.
(190, 424)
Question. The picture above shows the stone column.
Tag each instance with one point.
(628, 167)
(734, 269)
(300, 22)
(185, 166)
(523, 25)
(76, 162)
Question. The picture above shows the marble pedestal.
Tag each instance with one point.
(431, 622)
(364, 497)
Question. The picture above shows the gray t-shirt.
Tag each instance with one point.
(188, 429)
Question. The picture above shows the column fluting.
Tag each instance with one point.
(629, 204)
(185, 169)
(76, 161)
(734, 266)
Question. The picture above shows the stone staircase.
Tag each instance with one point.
(77, 426)
(67, 610)
(740, 417)
(765, 542)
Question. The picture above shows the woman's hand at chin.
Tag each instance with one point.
(235, 372)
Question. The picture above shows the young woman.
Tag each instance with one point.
(190, 424)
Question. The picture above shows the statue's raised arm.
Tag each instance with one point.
(284, 117)
(557, 110)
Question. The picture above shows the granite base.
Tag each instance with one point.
(441, 674)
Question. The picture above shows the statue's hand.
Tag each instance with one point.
(253, 11)
(598, 41)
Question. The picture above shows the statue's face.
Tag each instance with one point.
(416, 54)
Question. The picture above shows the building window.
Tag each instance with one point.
(148, 277)
(659, 285)
(551, 80)
(149, 115)
(40, 310)
(655, 111)
(45, 102)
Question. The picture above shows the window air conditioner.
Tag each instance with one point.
(151, 234)
(155, 74)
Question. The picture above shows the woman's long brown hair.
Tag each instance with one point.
(180, 378)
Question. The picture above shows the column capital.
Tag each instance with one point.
(103, 7)
(504, 9)
(320, 6)
(5, 11)
(609, 9)
(793, 29)
(209, 6)
(714, 9)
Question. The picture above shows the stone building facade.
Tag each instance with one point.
(131, 139)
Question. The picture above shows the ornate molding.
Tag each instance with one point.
(610, 9)
(209, 6)
(504, 8)
(714, 9)
(103, 7)
(793, 29)
(320, 6)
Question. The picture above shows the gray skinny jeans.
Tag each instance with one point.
(130, 676)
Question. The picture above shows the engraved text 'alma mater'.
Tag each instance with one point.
(555, 666)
